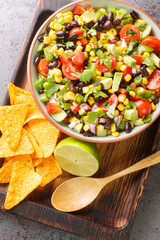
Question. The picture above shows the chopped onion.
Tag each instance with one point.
(124, 44)
(53, 99)
(93, 128)
(117, 120)
(95, 106)
(134, 70)
(72, 124)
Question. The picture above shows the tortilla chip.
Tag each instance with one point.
(33, 113)
(11, 123)
(13, 90)
(6, 170)
(49, 170)
(24, 147)
(38, 152)
(36, 161)
(23, 182)
(45, 134)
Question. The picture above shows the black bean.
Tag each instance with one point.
(123, 85)
(48, 27)
(56, 57)
(85, 61)
(60, 33)
(53, 64)
(110, 16)
(144, 72)
(72, 25)
(107, 25)
(81, 84)
(41, 37)
(36, 60)
(77, 115)
(69, 113)
(41, 91)
(158, 54)
(99, 99)
(66, 36)
(134, 14)
(73, 89)
(109, 122)
(103, 19)
(80, 90)
(90, 24)
(98, 28)
(155, 100)
(116, 21)
(73, 37)
(127, 127)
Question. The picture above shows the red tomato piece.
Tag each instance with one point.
(113, 99)
(76, 30)
(143, 107)
(103, 68)
(78, 58)
(152, 42)
(138, 58)
(130, 32)
(84, 41)
(69, 68)
(53, 108)
(128, 70)
(122, 90)
(43, 67)
(75, 107)
(154, 81)
(64, 58)
(133, 84)
(78, 10)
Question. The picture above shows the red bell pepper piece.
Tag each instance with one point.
(138, 58)
(53, 108)
(64, 58)
(78, 58)
(84, 41)
(78, 10)
(75, 107)
(128, 70)
(86, 107)
(122, 90)
(133, 85)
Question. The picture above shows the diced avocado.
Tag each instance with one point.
(40, 47)
(141, 27)
(155, 59)
(100, 44)
(121, 13)
(111, 48)
(92, 66)
(146, 32)
(144, 48)
(78, 127)
(107, 83)
(88, 16)
(112, 9)
(138, 79)
(116, 81)
(67, 106)
(131, 114)
(79, 99)
(60, 116)
(81, 111)
(108, 74)
(87, 75)
(131, 62)
(43, 97)
(148, 61)
(102, 132)
(99, 52)
(126, 20)
(48, 55)
(138, 122)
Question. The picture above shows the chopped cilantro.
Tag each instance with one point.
(85, 76)
(106, 59)
(146, 95)
(92, 32)
(105, 37)
(50, 89)
(134, 106)
(69, 44)
(130, 31)
(147, 119)
(129, 88)
(92, 116)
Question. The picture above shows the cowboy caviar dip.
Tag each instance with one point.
(99, 70)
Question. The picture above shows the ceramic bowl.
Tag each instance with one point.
(32, 70)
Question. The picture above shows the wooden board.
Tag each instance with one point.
(112, 214)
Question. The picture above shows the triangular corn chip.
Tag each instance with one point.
(45, 134)
(11, 123)
(25, 146)
(48, 169)
(13, 91)
(36, 161)
(33, 113)
(23, 182)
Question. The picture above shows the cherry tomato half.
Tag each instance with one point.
(69, 68)
(113, 99)
(154, 80)
(130, 32)
(78, 58)
(152, 42)
(103, 68)
(143, 107)
(43, 67)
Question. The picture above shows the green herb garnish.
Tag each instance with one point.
(147, 119)
(106, 59)
(130, 31)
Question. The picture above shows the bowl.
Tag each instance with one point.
(32, 72)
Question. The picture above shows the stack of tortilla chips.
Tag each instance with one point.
(27, 142)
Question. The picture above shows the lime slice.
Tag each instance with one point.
(77, 157)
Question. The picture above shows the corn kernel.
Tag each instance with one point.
(93, 40)
(131, 93)
(52, 34)
(122, 97)
(120, 107)
(98, 72)
(127, 77)
(85, 90)
(121, 49)
(113, 31)
(113, 128)
(119, 58)
(126, 102)
(149, 71)
(57, 26)
(146, 54)
(98, 109)
(98, 77)
(110, 90)
(68, 18)
(79, 48)
(67, 13)
(86, 127)
(153, 106)
(91, 101)
(76, 17)
(47, 40)
(144, 81)
(53, 49)
(103, 10)
(119, 64)
(92, 53)
(115, 134)
(92, 59)
(142, 22)
(80, 21)
(85, 118)
(69, 96)
(103, 38)
(122, 113)
(123, 68)
(100, 127)
(88, 48)
(60, 51)
(79, 43)
(118, 43)
(91, 86)
(116, 113)
(52, 24)
(58, 79)
(71, 119)
(59, 15)
(56, 72)
(105, 45)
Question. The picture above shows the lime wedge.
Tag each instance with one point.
(77, 157)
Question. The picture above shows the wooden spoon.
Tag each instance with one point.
(79, 192)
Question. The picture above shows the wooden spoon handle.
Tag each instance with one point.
(146, 162)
